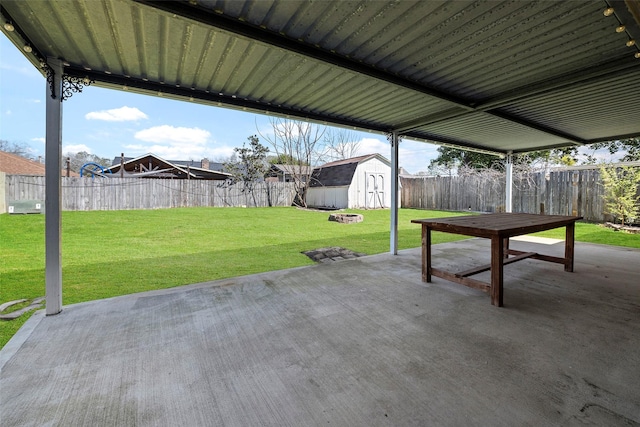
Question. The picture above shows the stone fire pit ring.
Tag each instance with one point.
(346, 218)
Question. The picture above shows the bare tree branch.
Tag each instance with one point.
(301, 143)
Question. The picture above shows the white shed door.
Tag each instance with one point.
(374, 190)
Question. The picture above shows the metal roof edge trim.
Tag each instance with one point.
(111, 81)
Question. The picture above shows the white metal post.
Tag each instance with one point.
(395, 141)
(508, 204)
(53, 204)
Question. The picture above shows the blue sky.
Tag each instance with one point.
(107, 122)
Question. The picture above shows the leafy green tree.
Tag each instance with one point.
(451, 158)
(286, 159)
(631, 146)
(251, 165)
(621, 192)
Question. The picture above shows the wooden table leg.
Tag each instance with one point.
(497, 270)
(569, 241)
(426, 253)
(505, 248)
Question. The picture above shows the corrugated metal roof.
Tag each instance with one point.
(494, 75)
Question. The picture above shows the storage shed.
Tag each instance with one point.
(359, 182)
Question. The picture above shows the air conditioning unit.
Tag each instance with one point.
(26, 207)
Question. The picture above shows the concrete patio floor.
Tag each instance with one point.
(360, 342)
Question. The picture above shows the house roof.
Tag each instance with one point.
(12, 164)
(292, 169)
(340, 172)
(496, 75)
(152, 166)
(214, 166)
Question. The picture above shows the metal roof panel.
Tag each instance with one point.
(498, 75)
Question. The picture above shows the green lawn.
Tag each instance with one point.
(110, 253)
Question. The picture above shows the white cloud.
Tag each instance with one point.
(75, 148)
(177, 143)
(174, 135)
(42, 140)
(122, 114)
(373, 145)
(414, 156)
(178, 153)
(8, 112)
(24, 70)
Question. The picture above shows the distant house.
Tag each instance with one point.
(12, 164)
(360, 182)
(152, 166)
(287, 173)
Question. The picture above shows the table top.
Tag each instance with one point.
(498, 224)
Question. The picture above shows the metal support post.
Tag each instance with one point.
(53, 176)
(395, 141)
(508, 204)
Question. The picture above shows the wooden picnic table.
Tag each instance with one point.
(499, 228)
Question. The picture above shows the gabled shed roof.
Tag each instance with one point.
(497, 75)
(340, 172)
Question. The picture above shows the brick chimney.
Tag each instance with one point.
(205, 163)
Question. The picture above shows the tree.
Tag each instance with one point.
(284, 159)
(630, 145)
(340, 144)
(251, 165)
(19, 149)
(453, 158)
(301, 143)
(77, 160)
(621, 192)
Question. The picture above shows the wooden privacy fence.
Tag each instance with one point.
(86, 194)
(568, 192)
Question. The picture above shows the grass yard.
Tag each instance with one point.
(111, 253)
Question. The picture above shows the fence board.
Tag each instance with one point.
(568, 192)
(86, 194)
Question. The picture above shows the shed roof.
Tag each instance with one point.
(496, 75)
(340, 172)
